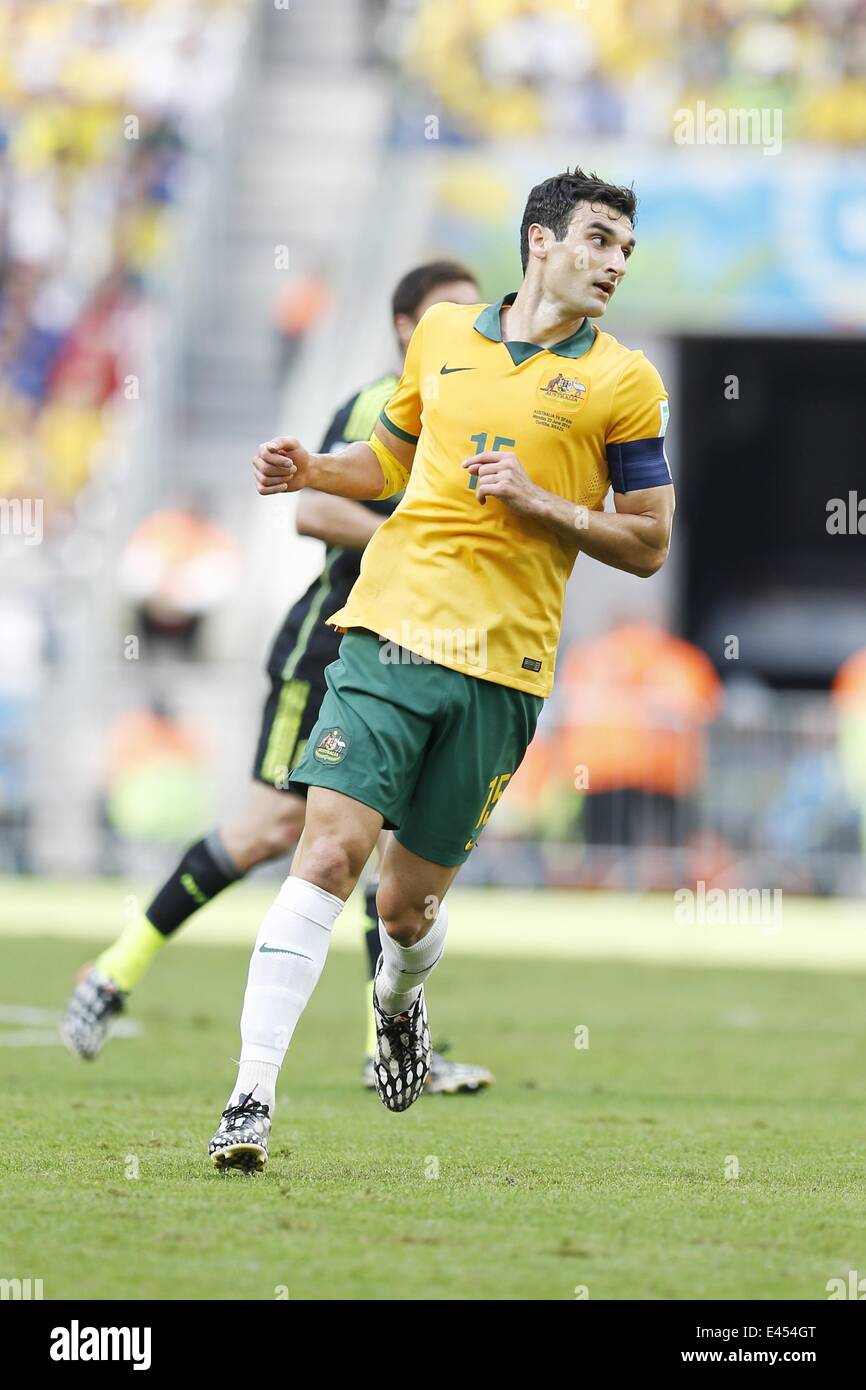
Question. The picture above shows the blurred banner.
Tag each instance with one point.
(727, 238)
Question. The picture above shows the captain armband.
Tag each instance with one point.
(395, 474)
(641, 463)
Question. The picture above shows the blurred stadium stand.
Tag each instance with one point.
(331, 148)
(232, 185)
(511, 69)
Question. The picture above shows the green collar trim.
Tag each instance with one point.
(488, 324)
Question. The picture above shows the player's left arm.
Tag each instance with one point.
(634, 538)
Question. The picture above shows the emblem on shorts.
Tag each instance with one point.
(332, 747)
(564, 388)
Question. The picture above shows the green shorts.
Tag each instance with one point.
(430, 749)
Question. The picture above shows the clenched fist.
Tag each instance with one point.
(282, 465)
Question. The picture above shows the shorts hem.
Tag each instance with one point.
(308, 780)
(443, 856)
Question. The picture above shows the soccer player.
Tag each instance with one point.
(274, 815)
(509, 426)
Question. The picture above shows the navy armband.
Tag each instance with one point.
(638, 464)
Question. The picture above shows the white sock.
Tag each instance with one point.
(405, 968)
(285, 966)
(257, 1079)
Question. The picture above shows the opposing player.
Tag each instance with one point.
(509, 426)
(274, 815)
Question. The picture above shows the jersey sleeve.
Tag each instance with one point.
(402, 414)
(635, 439)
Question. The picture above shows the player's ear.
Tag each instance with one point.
(538, 238)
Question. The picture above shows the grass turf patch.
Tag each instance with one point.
(602, 1167)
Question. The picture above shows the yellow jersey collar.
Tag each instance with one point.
(489, 326)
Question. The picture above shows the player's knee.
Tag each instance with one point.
(331, 863)
(406, 930)
(404, 921)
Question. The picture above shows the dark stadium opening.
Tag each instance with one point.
(771, 474)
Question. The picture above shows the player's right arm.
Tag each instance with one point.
(366, 472)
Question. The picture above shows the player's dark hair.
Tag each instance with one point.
(552, 203)
(414, 288)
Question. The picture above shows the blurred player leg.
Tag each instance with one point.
(269, 827)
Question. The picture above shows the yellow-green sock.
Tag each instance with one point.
(127, 958)
(370, 1046)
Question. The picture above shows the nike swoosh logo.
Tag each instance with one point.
(446, 370)
(278, 951)
(428, 967)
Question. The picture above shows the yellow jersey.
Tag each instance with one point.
(481, 589)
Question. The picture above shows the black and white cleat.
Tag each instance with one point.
(242, 1138)
(92, 1005)
(446, 1078)
(402, 1059)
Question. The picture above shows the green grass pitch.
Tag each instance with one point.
(606, 1169)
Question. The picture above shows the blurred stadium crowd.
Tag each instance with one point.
(523, 68)
(98, 106)
(101, 104)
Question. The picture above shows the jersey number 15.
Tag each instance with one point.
(480, 442)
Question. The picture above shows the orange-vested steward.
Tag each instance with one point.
(138, 738)
(635, 705)
(849, 684)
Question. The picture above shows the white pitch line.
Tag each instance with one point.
(32, 1027)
